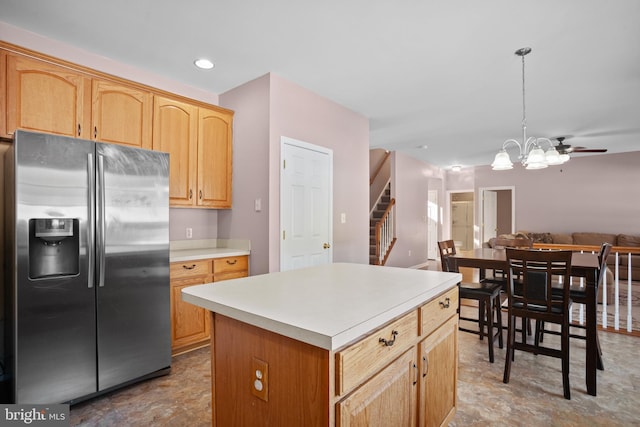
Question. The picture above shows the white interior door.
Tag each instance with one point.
(489, 215)
(305, 205)
(462, 224)
(432, 224)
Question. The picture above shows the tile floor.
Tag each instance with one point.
(183, 397)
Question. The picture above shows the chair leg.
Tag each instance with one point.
(511, 337)
(481, 317)
(565, 362)
(499, 320)
(489, 317)
(536, 338)
(600, 364)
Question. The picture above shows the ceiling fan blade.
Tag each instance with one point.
(589, 150)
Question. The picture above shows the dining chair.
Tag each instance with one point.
(486, 293)
(531, 275)
(578, 294)
(503, 243)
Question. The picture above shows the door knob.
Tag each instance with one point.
(326, 246)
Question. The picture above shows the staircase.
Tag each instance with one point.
(381, 234)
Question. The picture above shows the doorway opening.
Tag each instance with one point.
(497, 212)
(461, 217)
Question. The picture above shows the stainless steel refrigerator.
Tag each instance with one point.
(87, 285)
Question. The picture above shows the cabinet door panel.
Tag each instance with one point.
(47, 98)
(214, 158)
(3, 96)
(439, 374)
(175, 126)
(190, 324)
(121, 114)
(387, 399)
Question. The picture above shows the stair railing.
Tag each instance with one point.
(385, 234)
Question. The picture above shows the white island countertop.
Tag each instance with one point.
(327, 306)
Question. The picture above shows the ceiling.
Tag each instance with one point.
(438, 80)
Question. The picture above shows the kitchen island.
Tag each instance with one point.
(339, 344)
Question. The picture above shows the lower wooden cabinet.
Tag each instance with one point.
(419, 385)
(438, 375)
(388, 399)
(190, 325)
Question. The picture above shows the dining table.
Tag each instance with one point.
(584, 265)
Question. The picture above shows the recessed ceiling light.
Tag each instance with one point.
(203, 63)
(456, 168)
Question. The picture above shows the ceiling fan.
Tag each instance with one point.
(566, 148)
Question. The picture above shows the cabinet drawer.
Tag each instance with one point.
(437, 311)
(366, 357)
(230, 264)
(189, 268)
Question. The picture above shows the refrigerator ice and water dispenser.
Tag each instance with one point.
(53, 247)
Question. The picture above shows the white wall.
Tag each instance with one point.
(411, 181)
(303, 115)
(250, 102)
(599, 193)
(57, 49)
(266, 109)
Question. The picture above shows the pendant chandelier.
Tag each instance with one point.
(531, 154)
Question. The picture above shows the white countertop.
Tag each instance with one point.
(327, 306)
(191, 250)
(204, 253)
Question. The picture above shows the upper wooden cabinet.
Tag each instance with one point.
(45, 97)
(214, 158)
(199, 142)
(49, 95)
(175, 131)
(120, 114)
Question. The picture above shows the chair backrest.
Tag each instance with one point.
(513, 242)
(531, 276)
(447, 248)
(605, 250)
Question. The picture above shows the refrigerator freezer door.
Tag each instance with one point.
(134, 334)
(54, 326)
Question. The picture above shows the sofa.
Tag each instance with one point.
(592, 239)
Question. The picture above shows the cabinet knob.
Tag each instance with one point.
(79, 129)
(200, 194)
(446, 303)
(187, 267)
(190, 194)
(95, 132)
(232, 261)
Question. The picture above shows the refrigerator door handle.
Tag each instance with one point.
(91, 229)
(101, 231)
